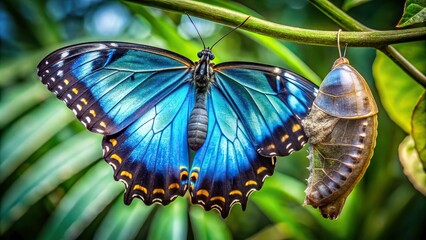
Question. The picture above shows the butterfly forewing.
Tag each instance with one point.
(110, 85)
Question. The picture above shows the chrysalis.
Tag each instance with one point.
(342, 130)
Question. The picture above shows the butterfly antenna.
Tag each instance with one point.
(199, 35)
(338, 43)
(235, 28)
(344, 52)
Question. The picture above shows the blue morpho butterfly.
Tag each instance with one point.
(153, 106)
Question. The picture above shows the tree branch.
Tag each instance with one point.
(374, 39)
(361, 37)
(348, 23)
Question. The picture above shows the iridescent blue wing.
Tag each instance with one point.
(254, 114)
(109, 85)
(136, 95)
(227, 168)
(270, 102)
(151, 155)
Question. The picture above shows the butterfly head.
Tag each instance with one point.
(203, 74)
(205, 55)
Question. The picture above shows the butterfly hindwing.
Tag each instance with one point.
(270, 103)
(227, 168)
(151, 155)
(108, 85)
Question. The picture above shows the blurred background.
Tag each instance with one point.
(55, 185)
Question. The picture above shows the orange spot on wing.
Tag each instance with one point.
(251, 182)
(126, 174)
(139, 187)
(158, 190)
(296, 127)
(113, 141)
(236, 192)
(194, 176)
(203, 192)
(261, 169)
(220, 198)
(116, 157)
(92, 112)
(174, 185)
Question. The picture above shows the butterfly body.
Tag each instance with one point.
(203, 78)
(153, 106)
(342, 130)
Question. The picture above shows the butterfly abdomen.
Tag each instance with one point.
(197, 125)
(342, 130)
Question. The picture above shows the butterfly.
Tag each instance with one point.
(156, 107)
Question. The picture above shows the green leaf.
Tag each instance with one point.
(286, 55)
(281, 200)
(277, 231)
(398, 92)
(29, 133)
(348, 4)
(165, 31)
(170, 222)
(410, 161)
(208, 225)
(19, 99)
(19, 67)
(82, 204)
(414, 12)
(418, 128)
(123, 222)
(53, 168)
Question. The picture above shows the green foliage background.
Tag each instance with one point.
(55, 185)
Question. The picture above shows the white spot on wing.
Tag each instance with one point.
(277, 70)
(113, 165)
(99, 131)
(290, 76)
(65, 54)
(125, 183)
